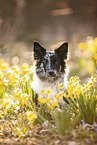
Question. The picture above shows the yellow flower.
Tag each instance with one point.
(15, 70)
(78, 90)
(82, 46)
(92, 80)
(49, 105)
(92, 57)
(14, 79)
(60, 86)
(9, 73)
(22, 98)
(74, 79)
(56, 96)
(31, 115)
(48, 90)
(17, 91)
(23, 102)
(73, 87)
(26, 71)
(15, 67)
(90, 46)
(24, 79)
(95, 40)
(5, 112)
(5, 82)
(4, 104)
(95, 56)
(1, 74)
(7, 101)
(62, 93)
(55, 104)
(48, 99)
(69, 95)
(90, 83)
(4, 66)
(41, 91)
(24, 66)
(41, 99)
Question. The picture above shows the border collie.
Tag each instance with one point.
(50, 67)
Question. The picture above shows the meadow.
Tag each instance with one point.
(51, 121)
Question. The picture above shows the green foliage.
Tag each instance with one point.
(63, 120)
(19, 113)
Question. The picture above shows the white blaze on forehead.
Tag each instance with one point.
(48, 57)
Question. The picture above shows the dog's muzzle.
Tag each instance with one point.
(52, 74)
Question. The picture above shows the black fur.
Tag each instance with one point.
(50, 65)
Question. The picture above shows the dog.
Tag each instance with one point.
(50, 67)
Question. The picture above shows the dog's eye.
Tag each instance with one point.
(55, 62)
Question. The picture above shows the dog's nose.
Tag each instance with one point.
(51, 73)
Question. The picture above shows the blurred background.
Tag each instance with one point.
(50, 22)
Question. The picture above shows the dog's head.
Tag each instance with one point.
(50, 65)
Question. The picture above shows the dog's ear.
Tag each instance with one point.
(39, 51)
(62, 50)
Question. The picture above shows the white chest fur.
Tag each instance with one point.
(38, 84)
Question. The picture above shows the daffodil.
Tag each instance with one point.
(49, 106)
(78, 90)
(24, 66)
(95, 56)
(75, 79)
(5, 82)
(17, 93)
(47, 99)
(90, 49)
(23, 102)
(61, 94)
(26, 71)
(15, 67)
(60, 86)
(7, 101)
(55, 104)
(14, 79)
(41, 99)
(24, 96)
(73, 87)
(4, 66)
(56, 96)
(42, 91)
(92, 80)
(1, 74)
(68, 95)
(31, 115)
(9, 73)
(48, 90)
(82, 46)
(15, 70)
(24, 79)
